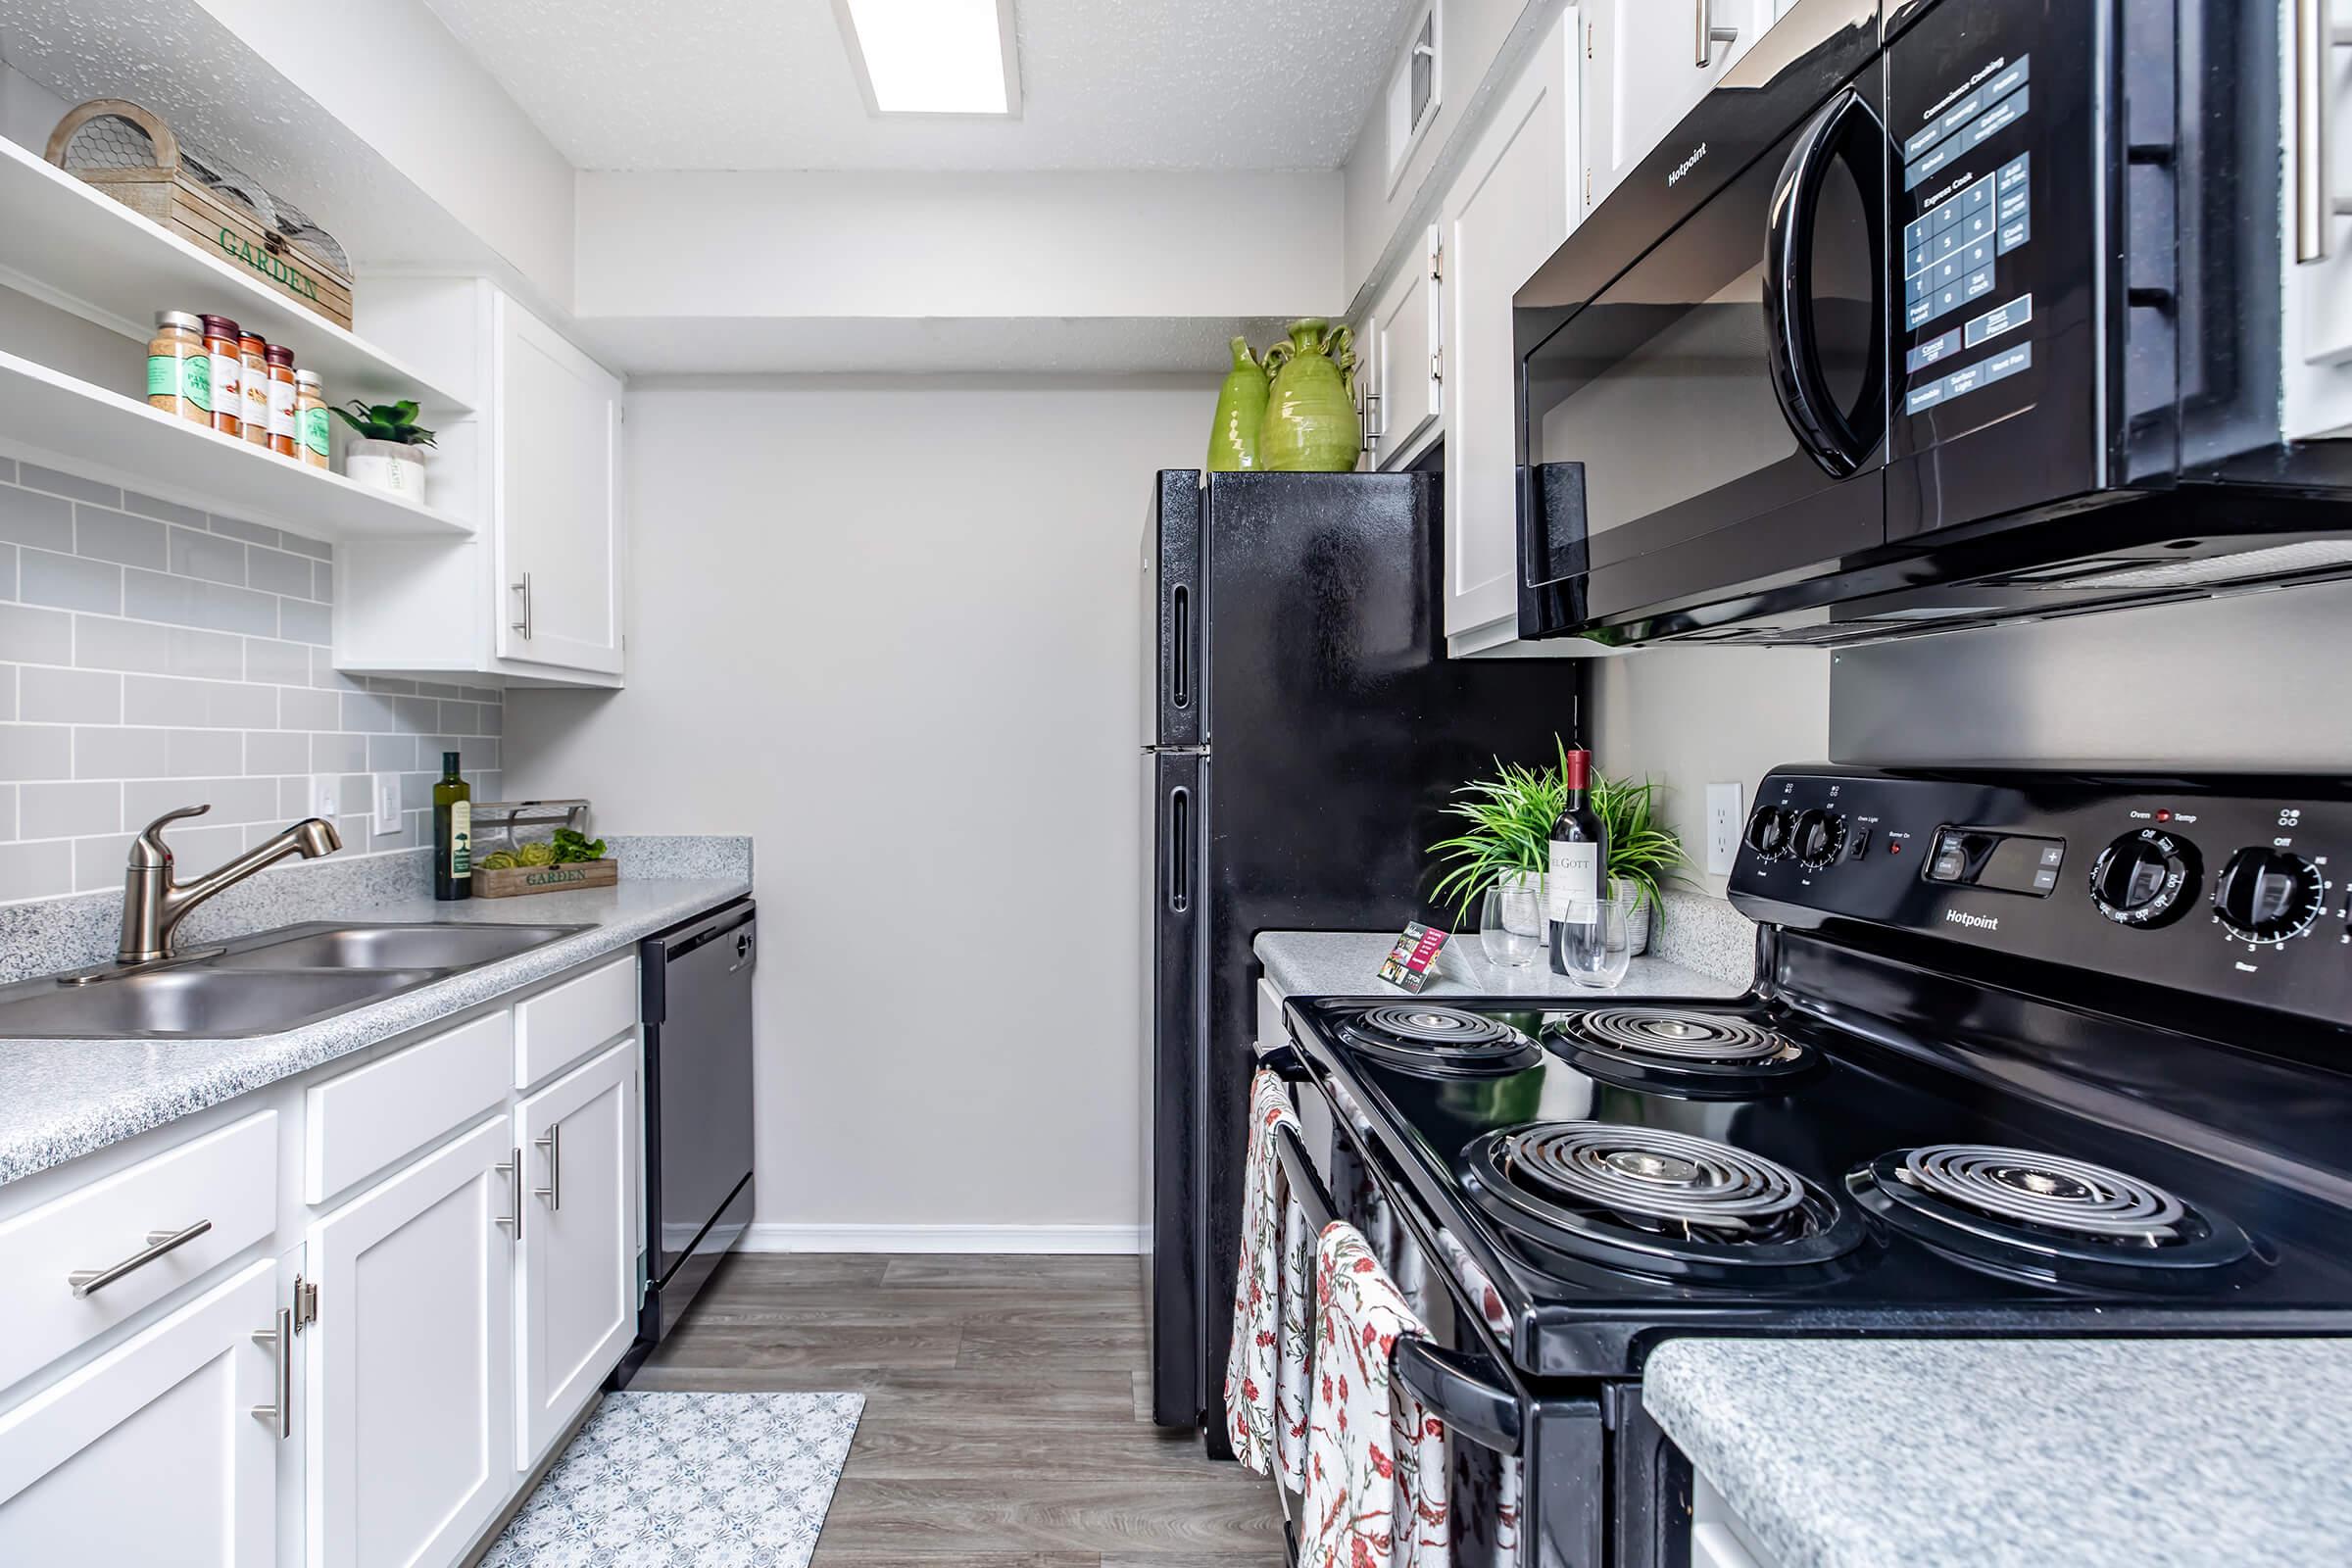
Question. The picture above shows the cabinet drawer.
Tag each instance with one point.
(228, 1178)
(556, 1028)
(365, 1120)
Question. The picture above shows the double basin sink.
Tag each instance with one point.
(261, 984)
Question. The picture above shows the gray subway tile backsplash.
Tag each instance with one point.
(152, 657)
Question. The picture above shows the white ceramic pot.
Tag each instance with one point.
(391, 466)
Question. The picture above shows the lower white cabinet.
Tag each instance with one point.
(163, 1449)
(575, 1305)
(411, 1362)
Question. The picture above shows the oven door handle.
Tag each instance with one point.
(1451, 1387)
(1821, 427)
(1306, 1188)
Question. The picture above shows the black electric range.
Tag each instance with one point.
(2027, 1055)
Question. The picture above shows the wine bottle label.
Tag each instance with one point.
(461, 838)
(1575, 882)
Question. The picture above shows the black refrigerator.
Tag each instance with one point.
(1304, 732)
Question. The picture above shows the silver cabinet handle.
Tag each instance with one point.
(279, 1339)
(511, 1169)
(523, 585)
(2317, 204)
(1710, 36)
(90, 1281)
(552, 1144)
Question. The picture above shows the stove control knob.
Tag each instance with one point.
(2268, 896)
(1768, 831)
(1818, 837)
(2146, 878)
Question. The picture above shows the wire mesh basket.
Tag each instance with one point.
(127, 151)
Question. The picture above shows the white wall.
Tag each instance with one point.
(894, 631)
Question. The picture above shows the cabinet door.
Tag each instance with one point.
(1642, 74)
(2319, 292)
(411, 1396)
(576, 1307)
(1507, 213)
(559, 517)
(155, 1453)
(1406, 349)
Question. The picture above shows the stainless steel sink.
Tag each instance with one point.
(193, 1000)
(387, 947)
(259, 985)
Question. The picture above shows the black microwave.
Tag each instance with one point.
(1933, 313)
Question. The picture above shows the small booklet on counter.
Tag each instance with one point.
(1413, 962)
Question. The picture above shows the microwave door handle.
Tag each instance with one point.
(1452, 1388)
(1796, 381)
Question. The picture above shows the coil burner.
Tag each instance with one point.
(2045, 1217)
(1695, 1056)
(1657, 1200)
(1440, 1041)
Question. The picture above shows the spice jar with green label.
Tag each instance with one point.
(309, 419)
(179, 378)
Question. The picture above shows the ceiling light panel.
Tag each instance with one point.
(933, 57)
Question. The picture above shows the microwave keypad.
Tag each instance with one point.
(1951, 250)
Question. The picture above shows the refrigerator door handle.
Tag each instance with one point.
(1180, 849)
(1180, 656)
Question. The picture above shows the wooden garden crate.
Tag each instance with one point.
(514, 881)
(125, 150)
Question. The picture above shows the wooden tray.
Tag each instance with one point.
(514, 882)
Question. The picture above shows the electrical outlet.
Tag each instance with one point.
(387, 803)
(323, 790)
(1722, 827)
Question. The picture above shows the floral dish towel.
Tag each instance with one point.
(1376, 1461)
(1265, 1372)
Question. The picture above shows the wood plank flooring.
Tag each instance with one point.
(1006, 1418)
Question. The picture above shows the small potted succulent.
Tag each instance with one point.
(389, 454)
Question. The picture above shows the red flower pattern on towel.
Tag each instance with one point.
(1266, 1369)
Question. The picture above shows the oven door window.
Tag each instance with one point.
(1738, 368)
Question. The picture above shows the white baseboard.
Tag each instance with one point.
(796, 1237)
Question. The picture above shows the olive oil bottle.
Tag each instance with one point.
(453, 833)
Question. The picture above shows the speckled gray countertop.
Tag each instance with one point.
(2153, 1454)
(1343, 964)
(61, 1098)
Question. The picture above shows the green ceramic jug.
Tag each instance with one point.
(1311, 425)
(1240, 407)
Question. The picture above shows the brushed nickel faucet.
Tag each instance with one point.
(153, 904)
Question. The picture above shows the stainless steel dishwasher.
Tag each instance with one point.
(697, 980)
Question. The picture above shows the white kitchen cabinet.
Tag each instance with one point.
(410, 1400)
(1644, 67)
(1407, 387)
(1506, 214)
(536, 593)
(576, 1307)
(156, 1453)
(2318, 339)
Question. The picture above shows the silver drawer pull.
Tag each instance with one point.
(2316, 203)
(90, 1281)
(552, 1144)
(511, 1168)
(279, 1340)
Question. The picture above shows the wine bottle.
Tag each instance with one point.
(1580, 854)
(453, 833)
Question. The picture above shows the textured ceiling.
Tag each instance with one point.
(1156, 84)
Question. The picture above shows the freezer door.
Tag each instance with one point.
(1173, 1276)
(1177, 619)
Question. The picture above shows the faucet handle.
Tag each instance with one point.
(148, 851)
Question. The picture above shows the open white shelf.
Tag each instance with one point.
(100, 432)
(65, 243)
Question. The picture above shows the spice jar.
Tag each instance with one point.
(281, 398)
(250, 350)
(228, 374)
(178, 374)
(309, 419)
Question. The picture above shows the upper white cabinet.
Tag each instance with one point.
(1507, 213)
(2318, 357)
(536, 593)
(556, 510)
(1405, 394)
(162, 1450)
(1646, 63)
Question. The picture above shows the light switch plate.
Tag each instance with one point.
(1722, 827)
(387, 803)
(323, 792)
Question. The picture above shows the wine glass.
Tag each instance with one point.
(1510, 921)
(1596, 952)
